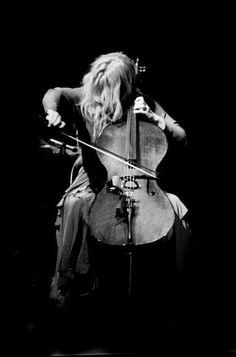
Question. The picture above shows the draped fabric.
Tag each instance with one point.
(75, 272)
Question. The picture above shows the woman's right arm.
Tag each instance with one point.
(51, 104)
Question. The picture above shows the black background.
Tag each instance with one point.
(187, 52)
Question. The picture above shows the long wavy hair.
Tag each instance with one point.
(106, 90)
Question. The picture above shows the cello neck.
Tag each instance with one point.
(131, 132)
(131, 136)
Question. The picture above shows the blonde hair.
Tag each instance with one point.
(105, 88)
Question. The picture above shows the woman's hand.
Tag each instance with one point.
(54, 119)
(141, 107)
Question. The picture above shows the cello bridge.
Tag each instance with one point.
(130, 183)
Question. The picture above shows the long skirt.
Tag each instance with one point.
(85, 266)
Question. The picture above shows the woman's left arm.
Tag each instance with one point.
(170, 126)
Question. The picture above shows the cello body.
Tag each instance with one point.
(151, 215)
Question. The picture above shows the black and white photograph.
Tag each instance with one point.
(116, 143)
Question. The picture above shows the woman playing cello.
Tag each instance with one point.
(105, 97)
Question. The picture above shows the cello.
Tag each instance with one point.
(131, 209)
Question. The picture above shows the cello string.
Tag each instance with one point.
(128, 145)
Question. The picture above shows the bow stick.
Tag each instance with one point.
(151, 173)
